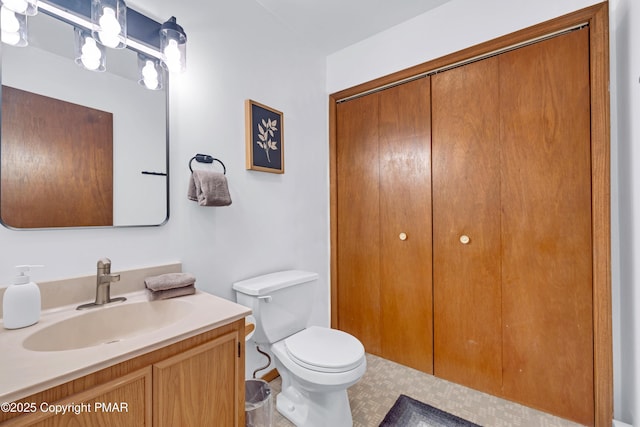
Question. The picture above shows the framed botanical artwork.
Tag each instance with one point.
(264, 138)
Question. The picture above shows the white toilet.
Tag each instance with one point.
(316, 364)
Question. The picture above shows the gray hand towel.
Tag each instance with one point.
(169, 281)
(208, 188)
(171, 293)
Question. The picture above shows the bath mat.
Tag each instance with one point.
(408, 412)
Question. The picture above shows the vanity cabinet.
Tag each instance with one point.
(195, 382)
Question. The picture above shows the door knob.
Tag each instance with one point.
(464, 239)
(403, 236)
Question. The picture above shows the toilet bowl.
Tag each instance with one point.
(316, 364)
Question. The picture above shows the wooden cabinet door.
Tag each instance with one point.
(384, 223)
(466, 205)
(123, 402)
(200, 387)
(546, 226)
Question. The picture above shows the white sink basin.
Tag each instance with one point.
(107, 325)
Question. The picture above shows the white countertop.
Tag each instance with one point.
(24, 372)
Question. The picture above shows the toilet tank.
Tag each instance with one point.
(281, 303)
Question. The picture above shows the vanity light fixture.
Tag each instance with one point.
(112, 24)
(89, 53)
(150, 71)
(109, 20)
(14, 27)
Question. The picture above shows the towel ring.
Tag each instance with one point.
(205, 158)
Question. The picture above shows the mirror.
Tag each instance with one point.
(136, 162)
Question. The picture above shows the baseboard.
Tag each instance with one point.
(617, 423)
(272, 375)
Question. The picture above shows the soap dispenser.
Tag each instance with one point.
(21, 302)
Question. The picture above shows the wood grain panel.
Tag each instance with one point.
(405, 207)
(358, 234)
(601, 211)
(547, 254)
(466, 201)
(198, 387)
(57, 162)
(124, 402)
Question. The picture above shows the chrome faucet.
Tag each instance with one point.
(103, 285)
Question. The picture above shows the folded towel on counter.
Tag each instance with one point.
(208, 188)
(171, 293)
(169, 281)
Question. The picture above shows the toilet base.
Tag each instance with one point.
(313, 398)
(309, 409)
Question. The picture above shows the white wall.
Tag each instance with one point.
(237, 51)
(463, 23)
(625, 109)
(449, 28)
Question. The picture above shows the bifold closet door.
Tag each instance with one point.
(405, 225)
(546, 226)
(384, 223)
(358, 216)
(466, 226)
(512, 226)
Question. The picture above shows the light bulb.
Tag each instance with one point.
(110, 28)
(8, 21)
(149, 70)
(150, 75)
(90, 49)
(19, 6)
(151, 84)
(90, 63)
(90, 54)
(10, 38)
(108, 22)
(109, 40)
(13, 31)
(172, 56)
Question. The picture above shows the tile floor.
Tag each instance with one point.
(384, 381)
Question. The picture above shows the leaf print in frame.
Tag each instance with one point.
(264, 141)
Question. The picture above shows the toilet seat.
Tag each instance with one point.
(324, 350)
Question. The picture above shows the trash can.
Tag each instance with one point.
(257, 404)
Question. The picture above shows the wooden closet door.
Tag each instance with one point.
(405, 207)
(384, 223)
(466, 202)
(546, 197)
(358, 229)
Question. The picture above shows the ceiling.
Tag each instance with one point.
(331, 25)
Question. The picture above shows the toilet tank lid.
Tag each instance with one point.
(263, 285)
